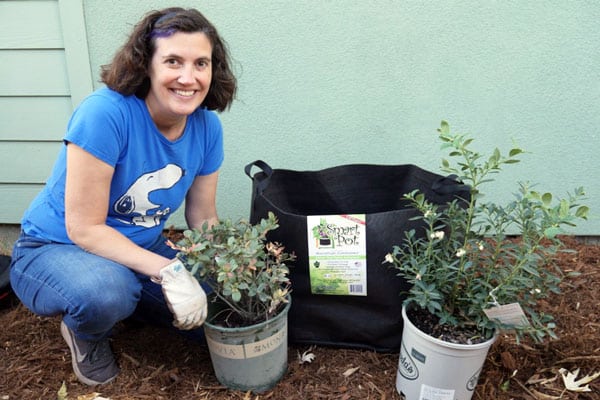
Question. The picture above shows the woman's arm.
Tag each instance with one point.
(86, 208)
(200, 202)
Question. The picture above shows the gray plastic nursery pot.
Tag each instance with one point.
(250, 358)
(430, 368)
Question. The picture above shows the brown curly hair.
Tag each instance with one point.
(128, 71)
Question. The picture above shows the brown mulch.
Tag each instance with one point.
(156, 364)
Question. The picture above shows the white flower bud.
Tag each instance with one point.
(428, 214)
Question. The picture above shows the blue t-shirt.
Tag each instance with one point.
(151, 174)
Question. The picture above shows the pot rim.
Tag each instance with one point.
(444, 343)
(259, 325)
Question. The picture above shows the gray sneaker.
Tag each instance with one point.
(93, 362)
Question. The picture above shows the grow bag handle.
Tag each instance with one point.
(450, 185)
(445, 185)
(262, 178)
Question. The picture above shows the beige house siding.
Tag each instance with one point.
(45, 70)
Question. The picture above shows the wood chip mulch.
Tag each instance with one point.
(157, 364)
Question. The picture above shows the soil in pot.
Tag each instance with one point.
(429, 324)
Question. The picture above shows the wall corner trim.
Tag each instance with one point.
(77, 54)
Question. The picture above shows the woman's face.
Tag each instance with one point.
(180, 74)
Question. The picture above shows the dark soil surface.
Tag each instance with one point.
(157, 364)
(429, 324)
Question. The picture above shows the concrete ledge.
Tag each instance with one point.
(8, 236)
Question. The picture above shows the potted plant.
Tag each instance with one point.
(476, 269)
(322, 235)
(246, 328)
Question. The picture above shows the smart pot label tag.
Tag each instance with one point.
(337, 254)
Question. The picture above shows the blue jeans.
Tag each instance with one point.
(91, 293)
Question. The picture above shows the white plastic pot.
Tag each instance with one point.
(432, 369)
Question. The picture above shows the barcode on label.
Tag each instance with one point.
(356, 288)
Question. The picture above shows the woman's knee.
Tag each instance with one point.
(114, 296)
(56, 278)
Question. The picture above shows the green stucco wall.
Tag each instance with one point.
(324, 83)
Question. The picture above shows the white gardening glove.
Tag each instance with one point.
(184, 295)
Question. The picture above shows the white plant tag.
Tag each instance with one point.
(508, 314)
(433, 393)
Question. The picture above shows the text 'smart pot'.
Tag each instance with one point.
(250, 357)
(430, 368)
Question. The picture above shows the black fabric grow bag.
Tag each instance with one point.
(373, 321)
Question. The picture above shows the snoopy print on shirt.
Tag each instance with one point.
(137, 198)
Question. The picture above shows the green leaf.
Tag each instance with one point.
(495, 156)
(547, 199)
(444, 128)
(564, 208)
(535, 195)
(531, 270)
(582, 212)
(514, 152)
